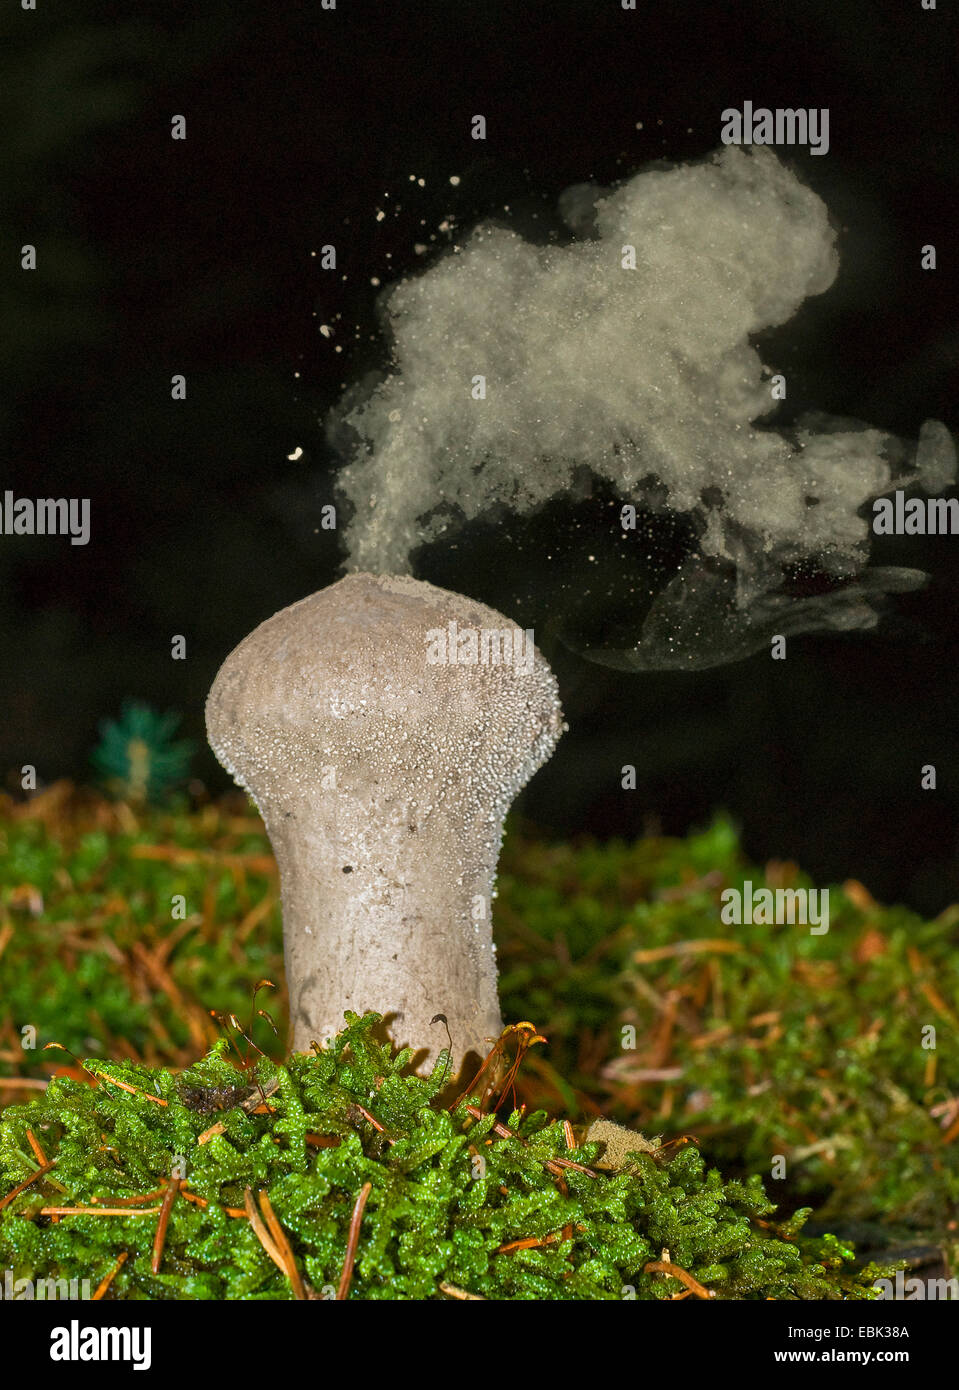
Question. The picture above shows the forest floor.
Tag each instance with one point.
(821, 1068)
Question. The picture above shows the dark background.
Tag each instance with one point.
(157, 256)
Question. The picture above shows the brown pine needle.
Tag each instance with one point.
(43, 1160)
(4, 1201)
(530, 1243)
(208, 1134)
(108, 1279)
(260, 1231)
(283, 1246)
(136, 1201)
(677, 1272)
(937, 1002)
(134, 1091)
(537, 1242)
(173, 1187)
(34, 1143)
(693, 947)
(255, 916)
(353, 1241)
(452, 1291)
(174, 854)
(99, 1211)
(553, 1165)
(950, 1135)
(502, 1130)
(371, 1118)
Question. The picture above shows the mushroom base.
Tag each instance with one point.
(363, 932)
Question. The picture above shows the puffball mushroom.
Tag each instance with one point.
(383, 752)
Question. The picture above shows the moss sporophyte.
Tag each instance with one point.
(341, 1175)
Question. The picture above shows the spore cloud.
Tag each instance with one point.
(628, 352)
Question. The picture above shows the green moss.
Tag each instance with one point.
(434, 1215)
(120, 930)
(782, 1042)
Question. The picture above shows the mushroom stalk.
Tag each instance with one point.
(383, 727)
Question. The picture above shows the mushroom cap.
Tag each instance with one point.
(347, 681)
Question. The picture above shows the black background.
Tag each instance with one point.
(158, 256)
